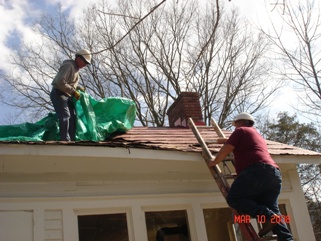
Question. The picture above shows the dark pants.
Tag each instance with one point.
(255, 192)
(65, 111)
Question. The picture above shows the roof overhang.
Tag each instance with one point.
(126, 153)
(96, 151)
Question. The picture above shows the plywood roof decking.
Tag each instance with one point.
(169, 138)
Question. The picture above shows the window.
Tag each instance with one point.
(167, 226)
(111, 227)
(220, 224)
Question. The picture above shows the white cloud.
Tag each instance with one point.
(17, 17)
(12, 14)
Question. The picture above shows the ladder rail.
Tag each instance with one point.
(217, 129)
(220, 133)
(246, 228)
(207, 155)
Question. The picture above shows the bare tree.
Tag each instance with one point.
(177, 50)
(234, 73)
(301, 57)
(179, 47)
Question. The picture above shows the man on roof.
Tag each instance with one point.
(258, 183)
(65, 86)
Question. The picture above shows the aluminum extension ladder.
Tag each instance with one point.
(221, 179)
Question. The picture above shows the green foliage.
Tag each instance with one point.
(287, 129)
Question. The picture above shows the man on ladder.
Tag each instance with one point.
(258, 183)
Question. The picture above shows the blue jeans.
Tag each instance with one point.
(65, 111)
(255, 192)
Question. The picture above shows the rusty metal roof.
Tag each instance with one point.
(178, 139)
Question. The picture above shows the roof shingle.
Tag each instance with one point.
(183, 139)
(175, 139)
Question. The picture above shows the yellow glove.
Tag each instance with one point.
(77, 95)
(82, 89)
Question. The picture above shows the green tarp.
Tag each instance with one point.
(96, 120)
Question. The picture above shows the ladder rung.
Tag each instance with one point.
(273, 237)
(230, 176)
(203, 127)
(211, 142)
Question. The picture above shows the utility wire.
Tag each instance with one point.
(134, 26)
(118, 15)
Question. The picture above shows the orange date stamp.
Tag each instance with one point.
(276, 219)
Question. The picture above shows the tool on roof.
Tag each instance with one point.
(221, 179)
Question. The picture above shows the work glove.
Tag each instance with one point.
(82, 89)
(77, 95)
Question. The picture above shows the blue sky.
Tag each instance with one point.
(18, 15)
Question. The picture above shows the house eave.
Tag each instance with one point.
(127, 151)
(97, 151)
(297, 159)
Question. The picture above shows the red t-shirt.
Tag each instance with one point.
(249, 148)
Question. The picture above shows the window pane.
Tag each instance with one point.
(219, 225)
(111, 227)
(167, 226)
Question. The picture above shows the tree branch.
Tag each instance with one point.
(134, 26)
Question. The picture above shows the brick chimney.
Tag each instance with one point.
(185, 106)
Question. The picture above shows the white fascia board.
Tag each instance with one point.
(97, 151)
(123, 152)
(296, 159)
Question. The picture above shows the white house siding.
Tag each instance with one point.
(56, 219)
(16, 225)
(45, 189)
